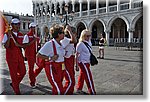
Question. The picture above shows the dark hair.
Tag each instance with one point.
(55, 30)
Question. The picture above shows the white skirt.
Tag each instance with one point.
(101, 47)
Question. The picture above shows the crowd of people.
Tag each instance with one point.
(60, 56)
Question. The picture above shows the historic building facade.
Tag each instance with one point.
(25, 20)
(117, 20)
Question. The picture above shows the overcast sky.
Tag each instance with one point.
(17, 6)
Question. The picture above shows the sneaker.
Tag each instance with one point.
(33, 87)
(13, 89)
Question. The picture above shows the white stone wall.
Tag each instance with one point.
(129, 12)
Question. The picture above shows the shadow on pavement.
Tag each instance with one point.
(122, 60)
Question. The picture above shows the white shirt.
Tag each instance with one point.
(69, 48)
(26, 39)
(83, 51)
(47, 50)
(5, 38)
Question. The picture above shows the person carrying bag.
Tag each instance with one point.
(93, 59)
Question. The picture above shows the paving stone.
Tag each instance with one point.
(119, 73)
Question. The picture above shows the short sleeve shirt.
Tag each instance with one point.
(84, 54)
(47, 50)
(69, 48)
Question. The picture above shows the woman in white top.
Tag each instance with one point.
(83, 61)
(101, 47)
(69, 74)
(54, 53)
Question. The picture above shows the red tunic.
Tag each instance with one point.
(14, 53)
(30, 51)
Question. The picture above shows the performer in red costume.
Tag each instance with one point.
(30, 52)
(69, 73)
(54, 52)
(12, 41)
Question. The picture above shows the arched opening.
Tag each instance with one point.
(97, 30)
(77, 6)
(118, 31)
(80, 27)
(138, 33)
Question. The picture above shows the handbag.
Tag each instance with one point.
(93, 59)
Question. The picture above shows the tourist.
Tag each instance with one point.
(54, 53)
(83, 62)
(101, 47)
(69, 73)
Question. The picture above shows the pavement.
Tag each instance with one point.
(119, 73)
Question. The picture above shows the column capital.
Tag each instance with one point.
(80, 1)
(107, 30)
(131, 30)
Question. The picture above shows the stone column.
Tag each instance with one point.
(46, 13)
(88, 3)
(37, 19)
(130, 4)
(21, 25)
(130, 31)
(118, 5)
(107, 34)
(41, 7)
(73, 6)
(34, 9)
(61, 8)
(50, 7)
(97, 7)
(107, 5)
(55, 7)
(26, 27)
(80, 1)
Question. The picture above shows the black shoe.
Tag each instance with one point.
(102, 57)
(11, 84)
(98, 57)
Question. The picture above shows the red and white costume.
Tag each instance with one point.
(15, 60)
(84, 64)
(69, 73)
(54, 69)
(30, 54)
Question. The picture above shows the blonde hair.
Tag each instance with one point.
(83, 33)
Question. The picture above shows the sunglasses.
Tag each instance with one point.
(16, 23)
(88, 35)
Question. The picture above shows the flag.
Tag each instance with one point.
(4, 26)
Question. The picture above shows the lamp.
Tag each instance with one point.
(66, 8)
(66, 17)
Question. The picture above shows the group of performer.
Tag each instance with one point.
(60, 57)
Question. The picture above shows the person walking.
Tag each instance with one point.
(30, 52)
(83, 62)
(69, 73)
(54, 53)
(41, 62)
(13, 42)
(101, 47)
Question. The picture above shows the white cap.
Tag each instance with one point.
(15, 20)
(32, 25)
